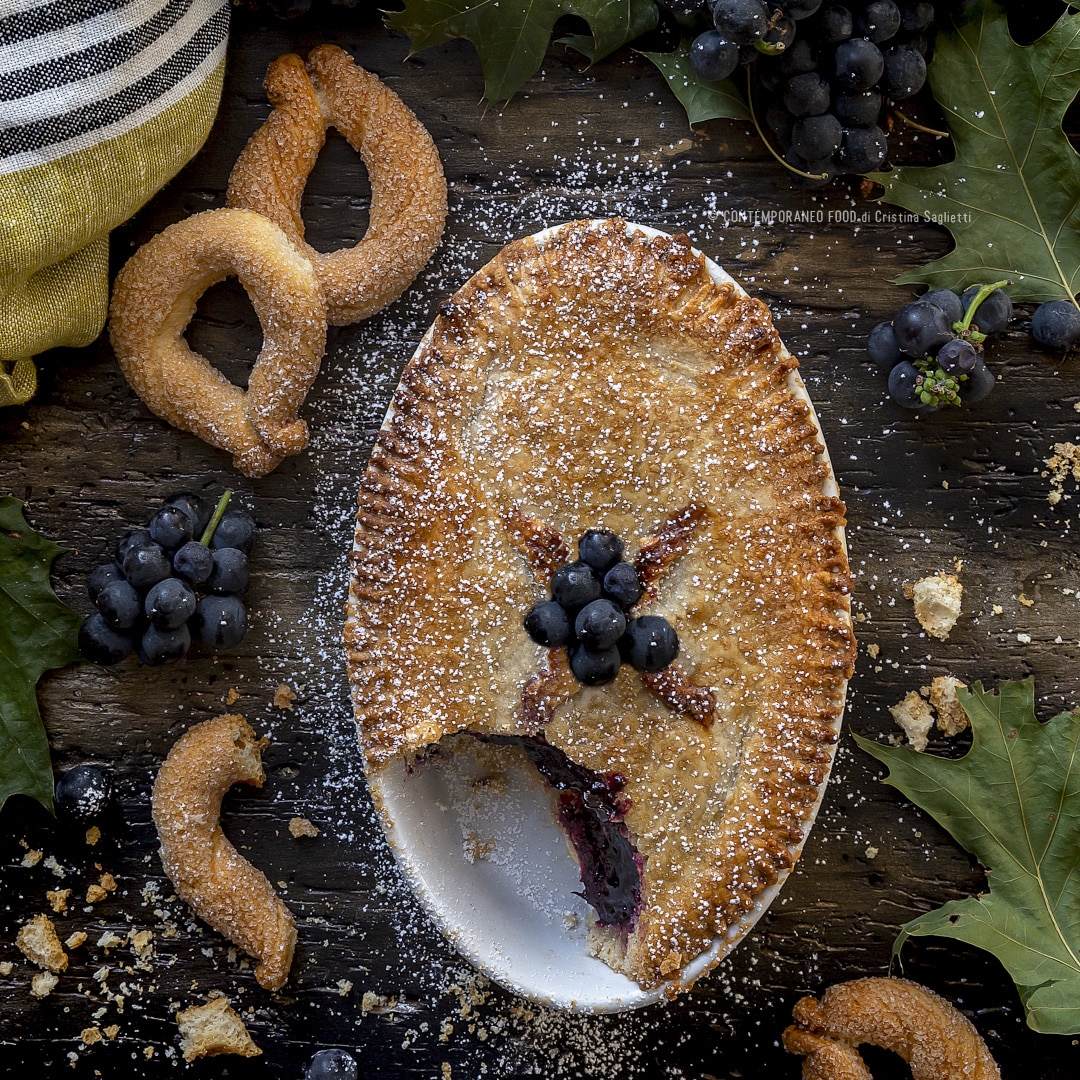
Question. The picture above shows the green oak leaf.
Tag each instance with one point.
(37, 633)
(701, 100)
(512, 36)
(1013, 801)
(1011, 196)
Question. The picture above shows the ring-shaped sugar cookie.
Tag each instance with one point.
(408, 188)
(935, 1039)
(154, 299)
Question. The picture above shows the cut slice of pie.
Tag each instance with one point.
(602, 376)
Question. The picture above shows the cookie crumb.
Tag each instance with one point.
(43, 984)
(73, 941)
(284, 697)
(93, 835)
(376, 1003)
(951, 718)
(937, 602)
(914, 717)
(232, 696)
(142, 943)
(299, 826)
(91, 1035)
(39, 943)
(1060, 466)
(212, 1029)
(58, 900)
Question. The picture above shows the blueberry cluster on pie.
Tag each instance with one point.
(591, 613)
(601, 380)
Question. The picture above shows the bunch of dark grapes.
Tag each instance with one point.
(822, 73)
(933, 348)
(178, 581)
(588, 614)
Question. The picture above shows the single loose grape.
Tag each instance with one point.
(993, 314)
(957, 357)
(229, 573)
(101, 644)
(575, 585)
(193, 562)
(219, 622)
(170, 603)
(921, 329)
(548, 624)
(84, 792)
(599, 625)
(600, 548)
(623, 585)
(650, 643)
(595, 667)
(157, 647)
(171, 527)
(120, 605)
(713, 57)
(1056, 324)
(904, 383)
(948, 301)
(978, 384)
(882, 348)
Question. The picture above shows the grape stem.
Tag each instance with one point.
(963, 327)
(761, 135)
(917, 126)
(215, 518)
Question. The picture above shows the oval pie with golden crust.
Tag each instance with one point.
(601, 375)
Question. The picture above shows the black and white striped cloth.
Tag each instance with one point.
(101, 103)
(76, 72)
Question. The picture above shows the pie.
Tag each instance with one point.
(602, 376)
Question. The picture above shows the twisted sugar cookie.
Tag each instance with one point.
(408, 189)
(154, 298)
(924, 1029)
(221, 886)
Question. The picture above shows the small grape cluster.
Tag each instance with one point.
(165, 589)
(588, 613)
(933, 348)
(822, 73)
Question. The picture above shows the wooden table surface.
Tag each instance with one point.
(91, 461)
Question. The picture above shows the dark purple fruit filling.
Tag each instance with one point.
(591, 808)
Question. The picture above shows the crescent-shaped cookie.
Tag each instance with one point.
(221, 886)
